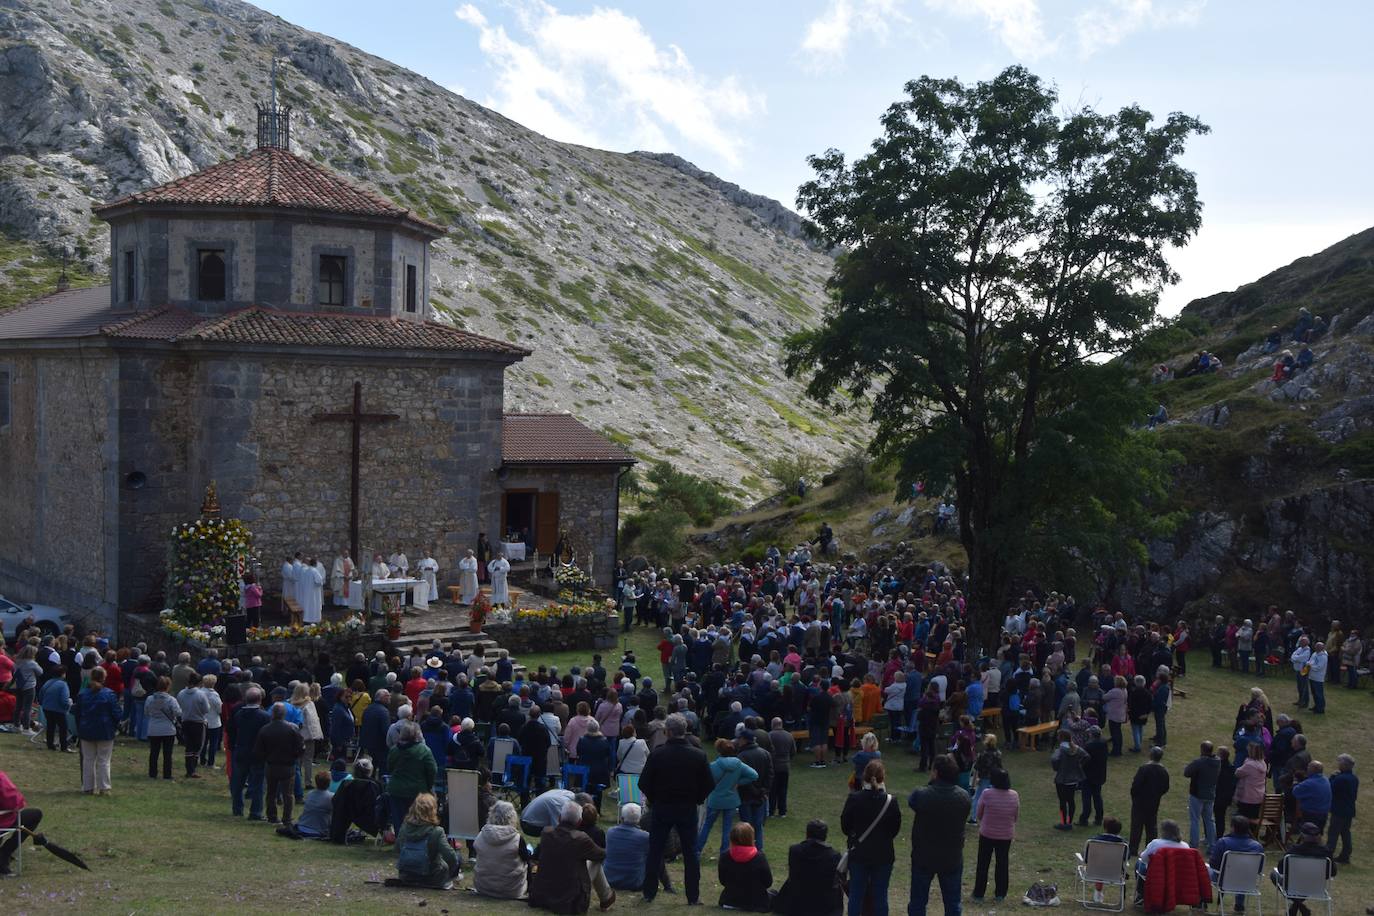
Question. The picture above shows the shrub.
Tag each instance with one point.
(786, 470)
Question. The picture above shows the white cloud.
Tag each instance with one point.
(600, 79)
(1017, 23)
(1106, 24)
(829, 34)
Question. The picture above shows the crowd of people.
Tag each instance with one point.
(751, 657)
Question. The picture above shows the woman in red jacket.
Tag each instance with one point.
(12, 800)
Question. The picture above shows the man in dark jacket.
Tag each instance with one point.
(937, 838)
(376, 723)
(812, 887)
(1202, 776)
(675, 780)
(1094, 776)
(248, 720)
(278, 746)
(562, 883)
(535, 739)
(753, 797)
(1150, 785)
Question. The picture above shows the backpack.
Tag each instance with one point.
(138, 690)
(413, 856)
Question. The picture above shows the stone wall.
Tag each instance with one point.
(587, 507)
(57, 525)
(538, 637)
(427, 478)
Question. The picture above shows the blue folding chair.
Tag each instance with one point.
(515, 781)
(584, 775)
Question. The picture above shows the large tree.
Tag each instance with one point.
(992, 252)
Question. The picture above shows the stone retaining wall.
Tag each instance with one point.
(559, 635)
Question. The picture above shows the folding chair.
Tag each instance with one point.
(501, 748)
(40, 725)
(1240, 876)
(515, 780)
(17, 834)
(1102, 862)
(1270, 828)
(627, 787)
(1305, 878)
(583, 773)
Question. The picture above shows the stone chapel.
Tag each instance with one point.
(253, 308)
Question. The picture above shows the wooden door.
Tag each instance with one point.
(546, 522)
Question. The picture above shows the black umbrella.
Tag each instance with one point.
(61, 852)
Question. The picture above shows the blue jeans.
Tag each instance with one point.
(754, 814)
(1200, 809)
(1302, 690)
(138, 721)
(246, 775)
(949, 889)
(727, 819)
(399, 807)
(977, 794)
(1137, 735)
(1318, 696)
(871, 880)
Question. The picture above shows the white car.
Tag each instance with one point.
(50, 620)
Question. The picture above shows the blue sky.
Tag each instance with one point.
(748, 89)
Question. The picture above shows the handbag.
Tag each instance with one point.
(842, 869)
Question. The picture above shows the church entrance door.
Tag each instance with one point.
(517, 512)
(546, 523)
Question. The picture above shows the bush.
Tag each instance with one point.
(700, 499)
(786, 470)
(658, 533)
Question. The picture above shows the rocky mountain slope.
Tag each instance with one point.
(655, 295)
(1277, 488)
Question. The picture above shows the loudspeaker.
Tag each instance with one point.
(236, 629)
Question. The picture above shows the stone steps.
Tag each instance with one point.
(449, 625)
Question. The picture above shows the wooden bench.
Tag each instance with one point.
(803, 734)
(1029, 735)
(993, 713)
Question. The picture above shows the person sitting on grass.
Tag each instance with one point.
(745, 876)
(355, 802)
(502, 862)
(563, 882)
(316, 812)
(423, 856)
(1170, 836)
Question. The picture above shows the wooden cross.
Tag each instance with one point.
(357, 418)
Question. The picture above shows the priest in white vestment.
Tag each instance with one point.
(341, 577)
(310, 590)
(379, 568)
(500, 590)
(467, 578)
(428, 568)
(400, 564)
(288, 583)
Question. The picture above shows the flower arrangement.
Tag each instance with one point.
(565, 609)
(391, 607)
(208, 634)
(573, 577)
(478, 612)
(205, 564)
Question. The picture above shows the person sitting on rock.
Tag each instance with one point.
(1283, 368)
(1304, 361)
(1272, 341)
(1158, 417)
(1303, 326)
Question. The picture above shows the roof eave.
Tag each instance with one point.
(627, 461)
(125, 206)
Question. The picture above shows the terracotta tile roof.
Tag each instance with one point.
(257, 325)
(556, 438)
(70, 313)
(270, 177)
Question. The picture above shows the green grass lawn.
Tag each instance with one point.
(163, 847)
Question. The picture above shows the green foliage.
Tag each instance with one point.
(1355, 454)
(494, 197)
(990, 247)
(124, 34)
(28, 271)
(786, 469)
(674, 500)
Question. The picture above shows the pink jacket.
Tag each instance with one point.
(1250, 781)
(11, 799)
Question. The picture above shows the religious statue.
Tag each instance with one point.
(467, 578)
(341, 577)
(209, 507)
(500, 590)
(428, 568)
